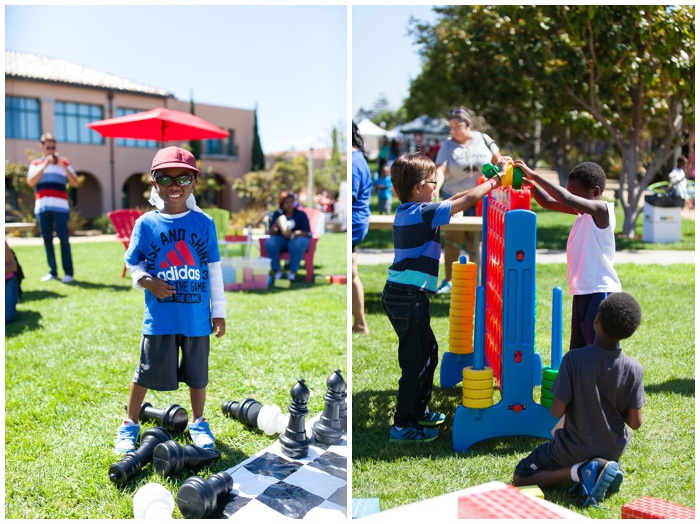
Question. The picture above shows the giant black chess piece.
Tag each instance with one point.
(294, 441)
(245, 411)
(328, 429)
(170, 458)
(254, 415)
(198, 498)
(343, 411)
(130, 466)
(173, 418)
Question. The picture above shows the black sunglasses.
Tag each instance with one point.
(182, 180)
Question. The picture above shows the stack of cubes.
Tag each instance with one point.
(245, 273)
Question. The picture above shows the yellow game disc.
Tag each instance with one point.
(461, 350)
(479, 403)
(461, 312)
(478, 384)
(461, 339)
(468, 268)
(469, 373)
(463, 295)
(477, 393)
(461, 328)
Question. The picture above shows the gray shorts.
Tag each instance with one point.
(160, 368)
(537, 461)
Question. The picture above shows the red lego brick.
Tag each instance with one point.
(651, 508)
(502, 503)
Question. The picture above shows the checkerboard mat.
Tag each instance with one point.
(269, 485)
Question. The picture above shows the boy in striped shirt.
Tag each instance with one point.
(412, 276)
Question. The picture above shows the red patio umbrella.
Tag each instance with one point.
(160, 124)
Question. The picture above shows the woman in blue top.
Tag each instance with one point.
(289, 231)
(361, 191)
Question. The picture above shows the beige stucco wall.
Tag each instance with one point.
(100, 193)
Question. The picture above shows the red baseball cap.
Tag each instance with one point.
(174, 157)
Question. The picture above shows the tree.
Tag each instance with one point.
(382, 114)
(625, 73)
(258, 155)
(195, 145)
(261, 188)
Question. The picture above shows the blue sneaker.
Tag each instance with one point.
(596, 476)
(412, 434)
(127, 437)
(432, 418)
(445, 287)
(201, 434)
(615, 484)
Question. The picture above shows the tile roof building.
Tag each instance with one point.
(45, 94)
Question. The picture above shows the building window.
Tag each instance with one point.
(214, 146)
(222, 146)
(71, 120)
(22, 118)
(133, 142)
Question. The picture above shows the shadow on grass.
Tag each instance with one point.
(25, 321)
(91, 285)
(677, 386)
(40, 295)
(373, 416)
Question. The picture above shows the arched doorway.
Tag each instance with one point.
(211, 197)
(86, 199)
(134, 193)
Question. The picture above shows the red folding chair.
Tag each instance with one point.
(314, 216)
(123, 221)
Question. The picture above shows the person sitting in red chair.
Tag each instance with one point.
(289, 231)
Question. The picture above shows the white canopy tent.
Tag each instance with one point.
(371, 133)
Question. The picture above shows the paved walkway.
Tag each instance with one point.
(386, 256)
(549, 256)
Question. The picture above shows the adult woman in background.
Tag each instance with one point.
(361, 191)
(289, 231)
(459, 163)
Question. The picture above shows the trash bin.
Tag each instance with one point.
(661, 224)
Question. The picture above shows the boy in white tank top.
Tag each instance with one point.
(590, 250)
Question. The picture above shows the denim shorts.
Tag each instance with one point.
(162, 368)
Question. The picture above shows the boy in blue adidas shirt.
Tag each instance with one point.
(174, 256)
(412, 276)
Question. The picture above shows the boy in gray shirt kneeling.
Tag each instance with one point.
(601, 391)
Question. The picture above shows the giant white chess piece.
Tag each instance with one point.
(153, 501)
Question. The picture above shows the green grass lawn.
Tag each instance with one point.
(70, 356)
(659, 462)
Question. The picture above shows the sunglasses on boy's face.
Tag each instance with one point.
(182, 180)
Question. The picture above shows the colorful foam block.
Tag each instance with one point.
(503, 503)
(652, 508)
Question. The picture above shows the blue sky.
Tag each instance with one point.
(384, 59)
(290, 60)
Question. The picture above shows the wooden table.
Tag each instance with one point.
(457, 223)
(460, 223)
